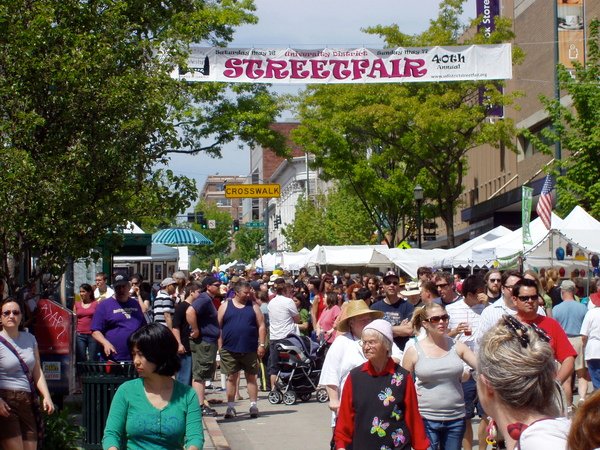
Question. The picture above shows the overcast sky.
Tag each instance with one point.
(312, 24)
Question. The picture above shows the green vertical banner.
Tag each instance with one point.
(526, 199)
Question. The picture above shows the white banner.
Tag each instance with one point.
(362, 65)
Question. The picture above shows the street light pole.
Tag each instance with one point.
(418, 196)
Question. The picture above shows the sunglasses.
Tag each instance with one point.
(521, 332)
(495, 280)
(14, 312)
(438, 319)
(439, 286)
(395, 283)
(527, 298)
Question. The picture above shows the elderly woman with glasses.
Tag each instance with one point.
(379, 403)
(516, 383)
(438, 365)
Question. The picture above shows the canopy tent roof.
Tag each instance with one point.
(350, 255)
(409, 260)
(511, 245)
(580, 230)
(158, 252)
(462, 256)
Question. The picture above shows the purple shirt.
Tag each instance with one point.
(117, 321)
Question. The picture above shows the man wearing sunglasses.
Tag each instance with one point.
(446, 288)
(525, 298)
(504, 305)
(397, 311)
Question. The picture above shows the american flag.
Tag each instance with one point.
(544, 205)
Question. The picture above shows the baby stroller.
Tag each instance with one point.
(300, 362)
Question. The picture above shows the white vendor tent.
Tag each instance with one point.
(509, 247)
(579, 238)
(350, 256)
(409, 260)
(462, 256)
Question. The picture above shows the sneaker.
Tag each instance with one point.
(230, 413)
(207, 411)
(254, 411)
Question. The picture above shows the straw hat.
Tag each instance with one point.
(355, 308)
(411, 288)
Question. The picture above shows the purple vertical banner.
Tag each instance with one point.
(488, 10)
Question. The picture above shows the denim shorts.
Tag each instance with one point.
(445, 434)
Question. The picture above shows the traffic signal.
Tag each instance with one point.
(236, 225)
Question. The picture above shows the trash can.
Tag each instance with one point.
(100, 383)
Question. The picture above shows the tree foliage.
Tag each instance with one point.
(88, 111)
(384, 139)
(247, 241)
(205, 255)
(335, 219)
(577, 127)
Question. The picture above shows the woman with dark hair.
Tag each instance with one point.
(86, 346)
(154, 411)
(21, 378)
(319, 303)
(373, 286)
(325, 327)
(302, 304)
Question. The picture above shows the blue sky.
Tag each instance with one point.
(311, 24)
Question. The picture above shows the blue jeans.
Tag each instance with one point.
(185, 373)
(86, 348)
(593, 366)
(445, 434)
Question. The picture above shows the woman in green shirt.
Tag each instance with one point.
(154, 411)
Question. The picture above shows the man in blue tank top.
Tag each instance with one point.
(242, 342)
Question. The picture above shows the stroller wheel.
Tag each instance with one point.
(275, 397)
(289, 398)
(305, 397)
(322, 396)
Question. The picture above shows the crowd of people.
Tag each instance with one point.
(429, 355)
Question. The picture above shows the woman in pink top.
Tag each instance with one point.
(86, 346)
(326, 325)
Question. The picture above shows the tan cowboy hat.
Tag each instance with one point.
(355, 308)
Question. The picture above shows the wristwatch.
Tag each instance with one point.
(262, 345)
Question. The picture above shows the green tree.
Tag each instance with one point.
(89, 111)
(205, 255)
(578, 129)
(335, 219)
(383, 139)
(247, 241)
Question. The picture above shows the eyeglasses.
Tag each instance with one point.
(14, 312)
(438, 319)
(370, 343)
(442, 285)
(395, 283)
(495, 280)
(527, 298)
(216, 284)
(509, 287)
(522, 331)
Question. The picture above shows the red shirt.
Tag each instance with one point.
(344, 427)
(558, 338)
(84, 317)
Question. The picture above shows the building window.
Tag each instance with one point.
(528, 147)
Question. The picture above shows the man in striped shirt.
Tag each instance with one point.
(164, 305)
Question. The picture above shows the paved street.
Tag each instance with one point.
(303, 426)
(298, 427)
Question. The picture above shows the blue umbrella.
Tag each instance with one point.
(180, 236)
